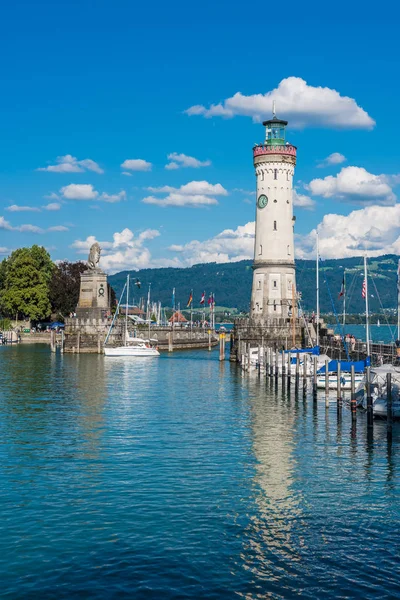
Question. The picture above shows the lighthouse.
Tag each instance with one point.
(274, 286)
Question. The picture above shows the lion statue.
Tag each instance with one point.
(94, 255)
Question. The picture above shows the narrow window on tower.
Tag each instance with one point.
(274, 306)
(275, 173)
(288, 250)
(274, 284)
(260, 249)
(275, 228)
(262, 175)
(287, 175)
(259, 284)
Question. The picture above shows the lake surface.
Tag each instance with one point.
(383, 333)
(185, 478)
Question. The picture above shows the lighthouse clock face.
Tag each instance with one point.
(262, 201)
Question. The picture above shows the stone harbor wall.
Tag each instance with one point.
(274, 333)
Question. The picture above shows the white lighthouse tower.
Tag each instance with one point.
(274, 284)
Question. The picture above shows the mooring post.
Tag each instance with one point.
(266, 351)
(305, 361)
(78, 343)
(221, 347)
(209, 340)
(98, 343)
(276, 366)
(283, 365)
(339, 385)
(248, 356)
(289, 368)
(314, 377)
(389, 404)
(297, 368)
(52, 340)
(271, 362)
(353, 401)
(370, 414)
(62, 340)
(326, 383)
(259, 360)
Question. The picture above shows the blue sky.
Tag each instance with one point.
(110, 82)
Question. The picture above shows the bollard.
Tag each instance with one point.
(370, 414)
(389, 404)
(353, 401)
(339, 385)
(314, 377)
(326, 383)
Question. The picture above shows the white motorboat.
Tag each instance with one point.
(345, 381)
(134, 347)
(379, 391)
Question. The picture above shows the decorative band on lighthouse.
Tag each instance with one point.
(274, 284)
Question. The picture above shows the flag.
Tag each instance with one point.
(189, 302)
(364, 289)
(342, 290)
(210, 300)
(203, 298)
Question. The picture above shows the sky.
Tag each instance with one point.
(134, 126)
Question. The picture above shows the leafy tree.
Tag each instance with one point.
(64, 286)
(24, 280)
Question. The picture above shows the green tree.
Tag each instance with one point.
(25, 276)
(64, 286)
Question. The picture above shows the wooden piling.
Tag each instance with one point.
(259, 360)
(370, 414)
(271, 362)
(221, 346)
(276, 366)
(170, 342)
(209, 340)
(305, 365)
(326, 383)
(314, 377)
(353, 401)
(78, 342)
(339, 385)
(289, 368)
(53, 340)
(389, 403)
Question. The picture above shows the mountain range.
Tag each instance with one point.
(231, 284)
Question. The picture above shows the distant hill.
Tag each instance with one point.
(231, 283)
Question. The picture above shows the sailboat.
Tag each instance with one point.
(133, 346)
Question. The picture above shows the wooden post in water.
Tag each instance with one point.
(353, 401)
(53, 340)
(297, 368)
(259, 360)
(62, 340)
(314, 377)
(339, 385)
(283, 365)
(289, 368)
(248, 356)
(271, 362)
(267, 363)
(78, 345)
(98, 343)
(389, 405)
(276, 367)
(209, 340)
(370, 414)
(221, 346)
(305, 361)
(326, 383)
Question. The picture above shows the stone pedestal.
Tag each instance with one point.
(94, 302)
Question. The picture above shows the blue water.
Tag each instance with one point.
(184, 478)
(383, 333)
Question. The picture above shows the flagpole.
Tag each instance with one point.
(398, 301)
(317, 286)
(366, 303)
(344, 299)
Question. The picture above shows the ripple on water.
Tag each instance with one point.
(184, 478)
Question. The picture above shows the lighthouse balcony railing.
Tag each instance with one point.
(264, 149)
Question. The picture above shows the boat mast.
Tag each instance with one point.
(149, 308)
(366, 303)
(317, 286)
(344, 299)
(126, 310)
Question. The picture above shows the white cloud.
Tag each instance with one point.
(126, 173)
(5, 224)
(29, 229)
(195, 194)
(125, 251)
(5, 251)
(333, 159)
(113, 197)
(301, 104)
(17, 208)
(193, 187)
(179, 161)
(195, 200)
(302, 201)
(79, 191)
(354, 184)
(70, 164)
(58, 228)
(231, 245)
(52, 206)
(136, 164)
(52, 196)
(373, 229)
